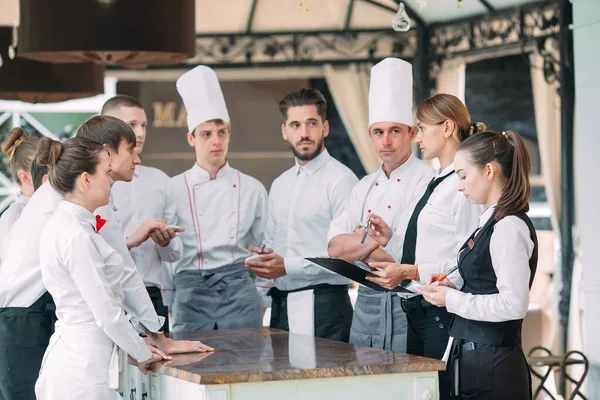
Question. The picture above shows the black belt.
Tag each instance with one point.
(320, 288)
(415, 303)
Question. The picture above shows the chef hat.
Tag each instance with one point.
(391, 92)
(201, 94)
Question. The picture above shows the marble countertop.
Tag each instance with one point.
(255, 355)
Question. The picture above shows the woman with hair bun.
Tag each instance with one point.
(497, 264)
(83, 274)
(430, 237)
(20, 149)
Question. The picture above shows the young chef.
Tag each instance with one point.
(223, 212)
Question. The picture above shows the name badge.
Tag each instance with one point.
(471, 243)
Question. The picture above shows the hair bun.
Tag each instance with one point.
(49, 151)
(13, 140)
(477, 127)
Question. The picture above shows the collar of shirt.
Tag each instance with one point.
(396, 173)
(445, 170)
(21, 199)
(486, 215)
(81, 212)
(199, 174)
(313, 165)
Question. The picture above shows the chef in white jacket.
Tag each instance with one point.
(223, 212)
(143, 211)
(83, 274)
(391, 191)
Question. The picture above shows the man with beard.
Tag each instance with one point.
(306, 298)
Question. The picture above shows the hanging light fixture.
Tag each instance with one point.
(401, 21)
(38, 82)
(131, 33)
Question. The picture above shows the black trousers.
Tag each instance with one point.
(24, 336)
(332, 311)
(487, 372)
(161, 309)
(428, 335)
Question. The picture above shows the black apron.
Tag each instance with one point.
(24, 336)
(332, 311)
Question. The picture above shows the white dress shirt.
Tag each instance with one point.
(445, 222)
(143, 198)
(302, 203)
(388, 198)
(10, 216)
(137, 301)
(511, 248)
(20, 275)
(222, 217)
(83, 274)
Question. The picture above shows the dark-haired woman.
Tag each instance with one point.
(428, 240)
(20, 150)
(497, 264)
(83, 274)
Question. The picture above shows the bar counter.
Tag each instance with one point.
(273, 364)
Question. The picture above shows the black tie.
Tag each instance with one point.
(410, 238)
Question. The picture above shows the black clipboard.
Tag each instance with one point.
(356, 272)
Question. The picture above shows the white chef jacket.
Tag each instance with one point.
(9, 217)
(84, 274)
(388, 198)
(302, 203)
(511, 248)
(143, 198)
(222, 217)
(444, 224)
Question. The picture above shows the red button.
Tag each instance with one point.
(389, 206)
(234, 185)
(369, 211)
(398, 179)
(376, 184)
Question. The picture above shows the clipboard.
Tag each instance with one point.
(356, 271)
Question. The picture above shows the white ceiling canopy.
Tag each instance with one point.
(262, 16)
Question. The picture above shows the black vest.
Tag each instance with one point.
(475, 266)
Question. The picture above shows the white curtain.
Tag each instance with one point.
(547, 118)
(349, 87)
(451, 78)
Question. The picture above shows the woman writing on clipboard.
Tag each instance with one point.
(428, 239)
(497, 263)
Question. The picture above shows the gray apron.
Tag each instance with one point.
(220, 298)
(379, 321)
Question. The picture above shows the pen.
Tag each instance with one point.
(364, 237)
(441, 278)
(262, 248)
